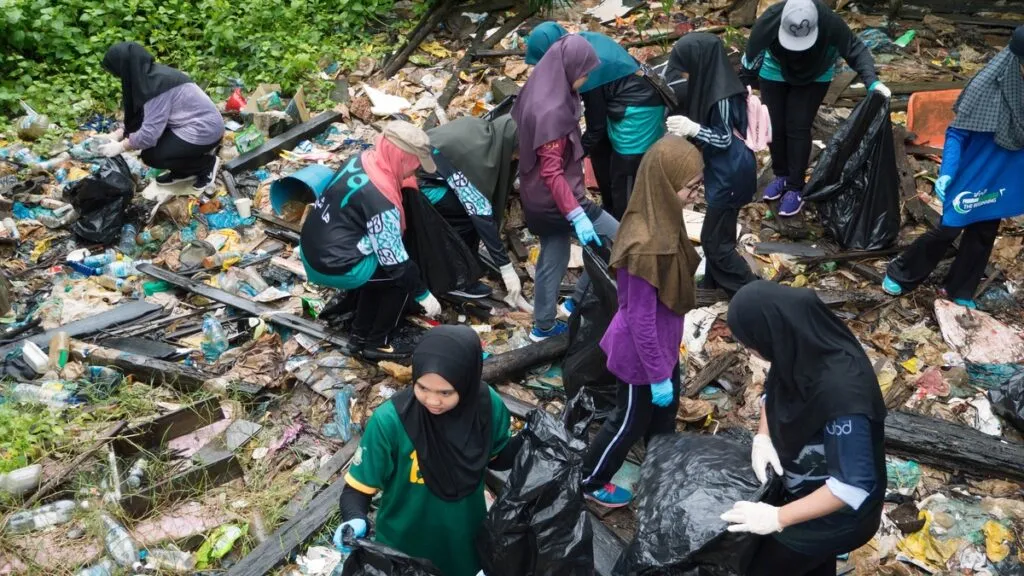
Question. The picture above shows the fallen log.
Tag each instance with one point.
(506, 366)
(269, 150)
(952, 446)
(417, 35)
(156, 372)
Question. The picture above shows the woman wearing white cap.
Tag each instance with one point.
(795, 44)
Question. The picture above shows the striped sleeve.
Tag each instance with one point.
(718, 136)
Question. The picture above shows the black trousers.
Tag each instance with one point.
(917, 262)
(180, 157)
(379, 307)
(456, 216)
(634, 417)
(773, 558)
(601, 162)
(792, 110)
(724, 267)
(623, 176)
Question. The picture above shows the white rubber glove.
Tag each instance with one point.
(111, 149)
(755, 517)
(882, 89)
(763, 454)
(513, 287)
(430, 305)
(116, 135)
(682, 126)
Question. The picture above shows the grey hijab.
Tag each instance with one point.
(993, 101)
(482, 151)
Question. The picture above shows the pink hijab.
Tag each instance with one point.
(386, 164)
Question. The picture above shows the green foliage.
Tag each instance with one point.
(50, 50)
(26, 432)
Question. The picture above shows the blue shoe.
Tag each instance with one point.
(970, 304)
(775, 189)
(567, 307)
(890, 287)
(538, 335)
(611, 496)
(791, 204)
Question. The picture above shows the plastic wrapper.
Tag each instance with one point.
(1008, 401)
(539, 525)
(370, 558)
(101, 201)
(856, 184)
(585, 363)
(444, 260)
(686, 482)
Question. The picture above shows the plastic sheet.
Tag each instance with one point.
(856, 183)
(1008, 401)
(585, 364)
(101, 200)
(370, 558)
(445, 261)
(539, 524)
(687, 481)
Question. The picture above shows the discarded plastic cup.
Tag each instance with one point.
(244, 207)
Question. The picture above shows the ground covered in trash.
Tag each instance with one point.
(175, 387)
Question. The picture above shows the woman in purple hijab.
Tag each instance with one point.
(547, 113)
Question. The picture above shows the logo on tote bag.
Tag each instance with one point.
(967, 200)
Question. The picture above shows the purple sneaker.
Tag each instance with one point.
(775, 188)
(791, 204)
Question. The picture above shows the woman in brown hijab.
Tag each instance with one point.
(654, 263)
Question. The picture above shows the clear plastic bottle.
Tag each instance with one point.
(109, 282)
(53, 221)
(154, 234)
(100, 260)
(127, 243)
(215, 341)
(50, 396)
(137, 473)
(21, 481)
(221, 258)
(58, 512)
(121, 269)
(169, 560)
(60, 348)
(118, 542)
(105, 567)
(253, 279)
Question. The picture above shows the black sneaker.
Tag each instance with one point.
(474, 292)
(204, 180)
(388, 352)
(168, 178)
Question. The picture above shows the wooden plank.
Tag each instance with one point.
(514, 362)
(157, 372)
(323, 475)
(123, 314)
(223, 467)
(907, 88)
(839, 84)
(279, 222)
(269, 150)
(153, 433)
(851, 255)
(791, 248)
(229, 183)
(713, 370)
(54, 482)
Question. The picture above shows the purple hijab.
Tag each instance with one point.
(548, 108)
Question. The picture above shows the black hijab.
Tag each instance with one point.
(712, 78)
(452, 448)
(141, 79)
(819, 370)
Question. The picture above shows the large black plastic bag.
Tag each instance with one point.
(585, 363)
(856, 183)
(539, 524)
(371, 558)
(686, 482)
(101, 200)
(444, 260)
(1008, 401)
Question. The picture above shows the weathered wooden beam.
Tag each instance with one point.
(714, 369)
(153, 433)
(269, 150)
(505, 366)
(906, 88)
(839, 84)
(221, 466)
(323, 475)
(435, 14)
(280, 222)
(55, 481)
(123, 314)
(157, 372)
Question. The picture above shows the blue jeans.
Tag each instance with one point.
(551, 266)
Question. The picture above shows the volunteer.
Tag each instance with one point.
(715, 110)
(979, 181)
(795, 44)
(475, 170)
(654, 264)
(166, 116)
(353, 237)
(624, 113)
(822, 427)
(551, 188)
(426, 449)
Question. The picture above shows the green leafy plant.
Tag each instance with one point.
(26, 433)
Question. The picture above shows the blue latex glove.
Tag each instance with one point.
(358, 526)
(585, 230)
(940, 187)
(661, 393)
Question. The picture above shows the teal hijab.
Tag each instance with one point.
(615, 61)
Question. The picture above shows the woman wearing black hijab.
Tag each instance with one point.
(822, 425)
(166, 116)
(426, 450)
(715, 109)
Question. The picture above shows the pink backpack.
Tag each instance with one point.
(759, 124)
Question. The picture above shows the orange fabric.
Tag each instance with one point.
(929, 114)
(387, 165)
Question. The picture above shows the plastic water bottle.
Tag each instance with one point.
(121, 269)
(48, 395)
(105, 567)
(137, 473)
(118, 542)
(168, 560)
(100, 260)
(221, 258)
(127, 244)
(43, 517)
(53, 221)
(253, 279)
(21, 481)
(109, 282)
(215, 342)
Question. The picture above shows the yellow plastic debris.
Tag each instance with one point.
(926, 548)
(40, 248)
(435, 49)
(997, 539)
(913, 365)
(800, 281)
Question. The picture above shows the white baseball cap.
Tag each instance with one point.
(798, 27)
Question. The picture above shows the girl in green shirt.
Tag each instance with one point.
(426, 449)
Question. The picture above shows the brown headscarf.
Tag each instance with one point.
(652, 242)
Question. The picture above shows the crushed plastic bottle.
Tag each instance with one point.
(100, 260)
(127, 244)
(342, 426)
(21, 481)
(137, 473)
(169, 560)
(118, 542)
(123, 268)
(105, 567)
(221, 258)
(109, 282)
(215, 341)
(253, 279)
(52, 221)
(59, 512)
(51, 394)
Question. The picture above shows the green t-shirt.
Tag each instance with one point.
(411, 519)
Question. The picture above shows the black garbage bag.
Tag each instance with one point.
(101, 200)
(855, 183)
(1008, 401)
(539, 524)
(585, 363)
(445, 261)
(579, 413)
(371, 558)
(686, 482)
